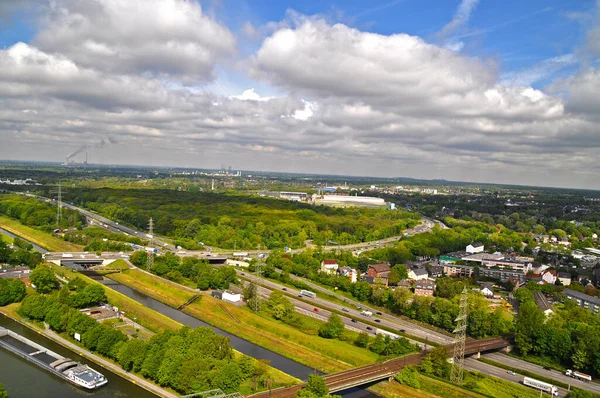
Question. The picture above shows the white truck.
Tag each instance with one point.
(67, 255)
(578, 375)
(540, 385)
(366, 313)
(240, 254)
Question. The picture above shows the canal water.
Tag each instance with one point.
(277, 361)
(23, 379)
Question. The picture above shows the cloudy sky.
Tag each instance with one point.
(473, 90)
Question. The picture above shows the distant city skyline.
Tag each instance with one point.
(474, 91)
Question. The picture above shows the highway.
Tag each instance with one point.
(537, 369)
(474, 364)
(388, 321)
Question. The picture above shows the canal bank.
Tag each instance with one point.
(277, 361)
(24, 379)
(11, 235)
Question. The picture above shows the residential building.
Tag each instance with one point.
(375, 280)
(349, 272)
(405, 283)
(417, 274)
(590, 302)
(329, 266)
(436, 271)
(502, 275)
(378, 270)
(549, 277)
(424, 287)
(487, 290)
(475, 247)
(458, 270)
(542, 302)
(564, 278)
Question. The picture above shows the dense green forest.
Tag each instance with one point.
(241, 221)
(35, 213)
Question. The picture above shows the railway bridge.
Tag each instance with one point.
(381, 371)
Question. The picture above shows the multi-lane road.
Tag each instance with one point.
(388, 322)
(537, 369)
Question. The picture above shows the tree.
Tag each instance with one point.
(229, 378)
(333, 328)
(362, 340)
(527, 325)
(436, 362)
(3, 393)
(316, 385)
(409, 376)
(11, 291)
(44, 279)
(397, 273)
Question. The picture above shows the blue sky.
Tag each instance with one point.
(472, 90)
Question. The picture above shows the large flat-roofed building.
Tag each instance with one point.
(295, 196)
(586, 301)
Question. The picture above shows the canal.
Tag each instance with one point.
(36, 247)
(277, 361)
(23, 379)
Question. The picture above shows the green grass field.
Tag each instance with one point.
(309, 349)
(38, 237)
(6, 238)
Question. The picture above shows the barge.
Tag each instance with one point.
(76, 373)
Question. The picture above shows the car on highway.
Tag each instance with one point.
(369, 328)
(402, 330)
(378, 313)
(510, 372)
(345, 309)
(377, 320)
(284, 289)
(547, 368)
(242, 274)
(315, 309)
(354, 320)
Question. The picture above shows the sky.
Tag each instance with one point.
(467, 90)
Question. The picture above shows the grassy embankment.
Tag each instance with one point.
(38, 237)
(311, 350)
(6, 238)
(157, 322)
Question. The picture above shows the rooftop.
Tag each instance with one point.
(380, 267)
(582, 296)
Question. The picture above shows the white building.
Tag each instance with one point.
(418, 274)
(476, 247)
(329, 266)
(237, 263)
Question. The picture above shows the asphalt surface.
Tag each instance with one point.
(474, 364)
(533, 368)
(388, 321)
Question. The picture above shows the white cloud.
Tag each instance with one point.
(539, 71)
(250, 95)
(461, 17)
(161, 37)
(345, 102)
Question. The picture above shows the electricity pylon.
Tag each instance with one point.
(460, 335)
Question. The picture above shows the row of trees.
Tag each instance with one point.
(177, 269)
(21, 254)
(187, 360)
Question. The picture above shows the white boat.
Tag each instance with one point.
(86, 377)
